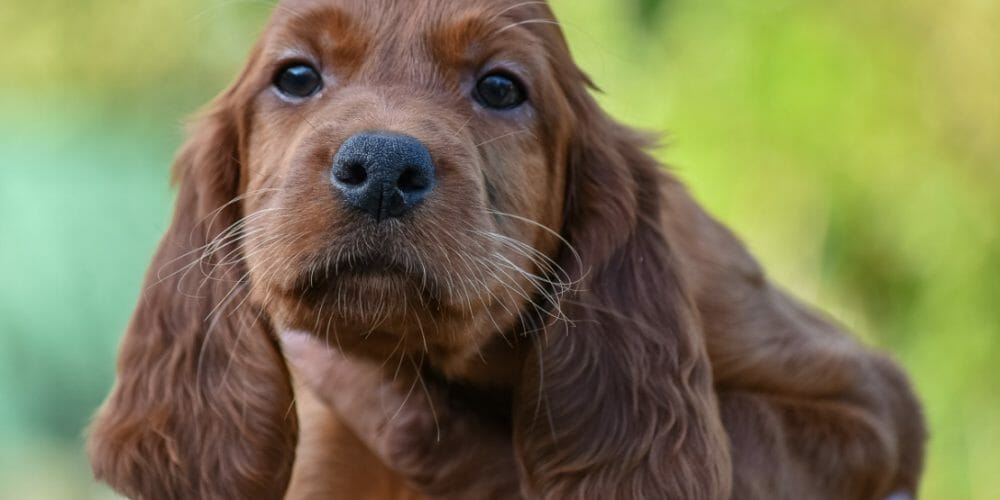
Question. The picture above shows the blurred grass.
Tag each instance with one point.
(855, 145)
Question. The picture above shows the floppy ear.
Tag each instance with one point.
(202, 405)
(618, 401)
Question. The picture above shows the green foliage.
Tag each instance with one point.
(855, 145)
(649, 11)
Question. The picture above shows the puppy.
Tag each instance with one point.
(487, 287)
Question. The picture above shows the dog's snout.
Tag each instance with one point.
(385, 175)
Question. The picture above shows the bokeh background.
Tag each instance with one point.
(854, 144)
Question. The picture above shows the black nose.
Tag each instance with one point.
(383, 174)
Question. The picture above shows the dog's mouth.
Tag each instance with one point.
(371, 264)
(360, 274)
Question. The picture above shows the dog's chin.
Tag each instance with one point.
(385, 312)
(369, 298)
(361, 282)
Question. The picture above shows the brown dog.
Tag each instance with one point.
(527, 305)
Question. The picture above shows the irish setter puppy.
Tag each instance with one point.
(485, 287)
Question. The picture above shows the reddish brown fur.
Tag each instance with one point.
(571, 322)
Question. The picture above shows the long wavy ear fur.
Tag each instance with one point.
(202, 405)
(618, 402)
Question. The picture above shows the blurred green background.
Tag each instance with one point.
(855, 145)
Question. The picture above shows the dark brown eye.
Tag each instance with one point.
(298, 81)
(500, 91)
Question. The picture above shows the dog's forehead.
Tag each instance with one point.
(398, 16)
(410, 5)
(396, 40)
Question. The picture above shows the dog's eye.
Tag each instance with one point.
(500, 91)
(298, 81)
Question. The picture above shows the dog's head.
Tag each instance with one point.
(402, 170)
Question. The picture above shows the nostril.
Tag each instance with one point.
(413, 180)
(352, 173)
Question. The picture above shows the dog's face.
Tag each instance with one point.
(403, 170)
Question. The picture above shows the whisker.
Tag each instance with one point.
(569, 246)
(529, 21)
(427, 394)
(504, 136)
(500, 14)
(405, 398)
